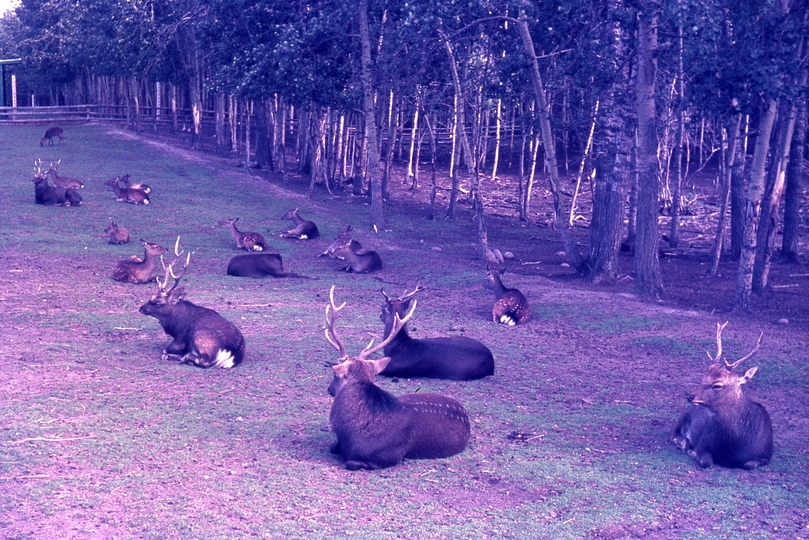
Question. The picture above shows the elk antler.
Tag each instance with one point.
(169, 270)
(398, 324)
(331, 333)
(405, 296)
(719, 328)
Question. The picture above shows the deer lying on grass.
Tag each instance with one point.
(50, 134)
(374, 428)
(126, 179)
(60, 181)
(723, 425)
(259, 265)
(139, 271)
(117, 235)
(359, 260)
(303, 229)
(130, 195)
(511, 306)
(202, 337)
(49, 195)
(251, 241)
(456, 358)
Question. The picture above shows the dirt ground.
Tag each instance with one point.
(100, 439)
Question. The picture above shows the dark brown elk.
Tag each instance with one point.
(359, 260)
(139, 271)
(62, 181)
(303, 230)
(723, 426)
(128, 183)
(511, 306)
(52, 133)
(117, 235)
(251, 241)
(259, 265)
(376, 429)
(456, 358)
(49, 195)
(134, 196)
(201, 336)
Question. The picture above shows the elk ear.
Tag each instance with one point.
(380, 365)
(341, 370)
(748, 375)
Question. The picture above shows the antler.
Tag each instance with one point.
(331, 333)
(169, 270)
(719, 328)
(398, 324)
(405, 296)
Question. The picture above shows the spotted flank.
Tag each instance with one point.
(224, 359)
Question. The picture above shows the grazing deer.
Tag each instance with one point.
(118, 235)
(303, 229)
(139, 271)
(456, 358)
(202, 337)
(511, 306)
(51, 134)
(722, 425)
(134, 196)
(146, 188)
(374, 428)
(49, 195)
(259, 265)
(251, 241)
(61, 181)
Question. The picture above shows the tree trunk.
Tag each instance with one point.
(263, 157)
(677, 154)
(733, 144)
(738, 185)
(647, 265)
(221, 140)
(792, 194)
(374, 178)
(498, 122)
(755, 191)
(433, 150)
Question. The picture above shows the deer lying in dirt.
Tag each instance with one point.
(202, 337)
(139, 271)
(251, 241)
(49, 195)
(52, 133)
(722, 425)
(456, 358)
(374, 428)
(511, 306)
(359, 260)
(303, 229)
(259, 265)
(117, 235)
(130, 195)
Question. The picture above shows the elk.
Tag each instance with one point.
(251, 241)
(201, 336)
(722, 425)
(359, 260)
(343, 237)
(376, 429)
(117, 235)
(138, 271)
(303, 230)
(130, 195)
(456, 358)
(49, 195)
(50, 134)
(511, 306)
(259, 265)
(126, 179)
(61, 181)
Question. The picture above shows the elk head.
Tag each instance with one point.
(168, 295)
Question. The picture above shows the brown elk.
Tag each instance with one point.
(128, 183)
(117, 235)
(374, 428)
(259, 265)
(134, 196)
(511, 306)
(139, 271)
(201, 336)
(723, 425)
(52, 133)
(251, 241)
(303, 230)
(61, 181)
(342, 238)
(49, 195)
(359, 260)
(456, 358)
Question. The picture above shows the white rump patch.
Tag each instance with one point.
(224, 359)
(145, 201)
(304, 237)
(505, 319)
